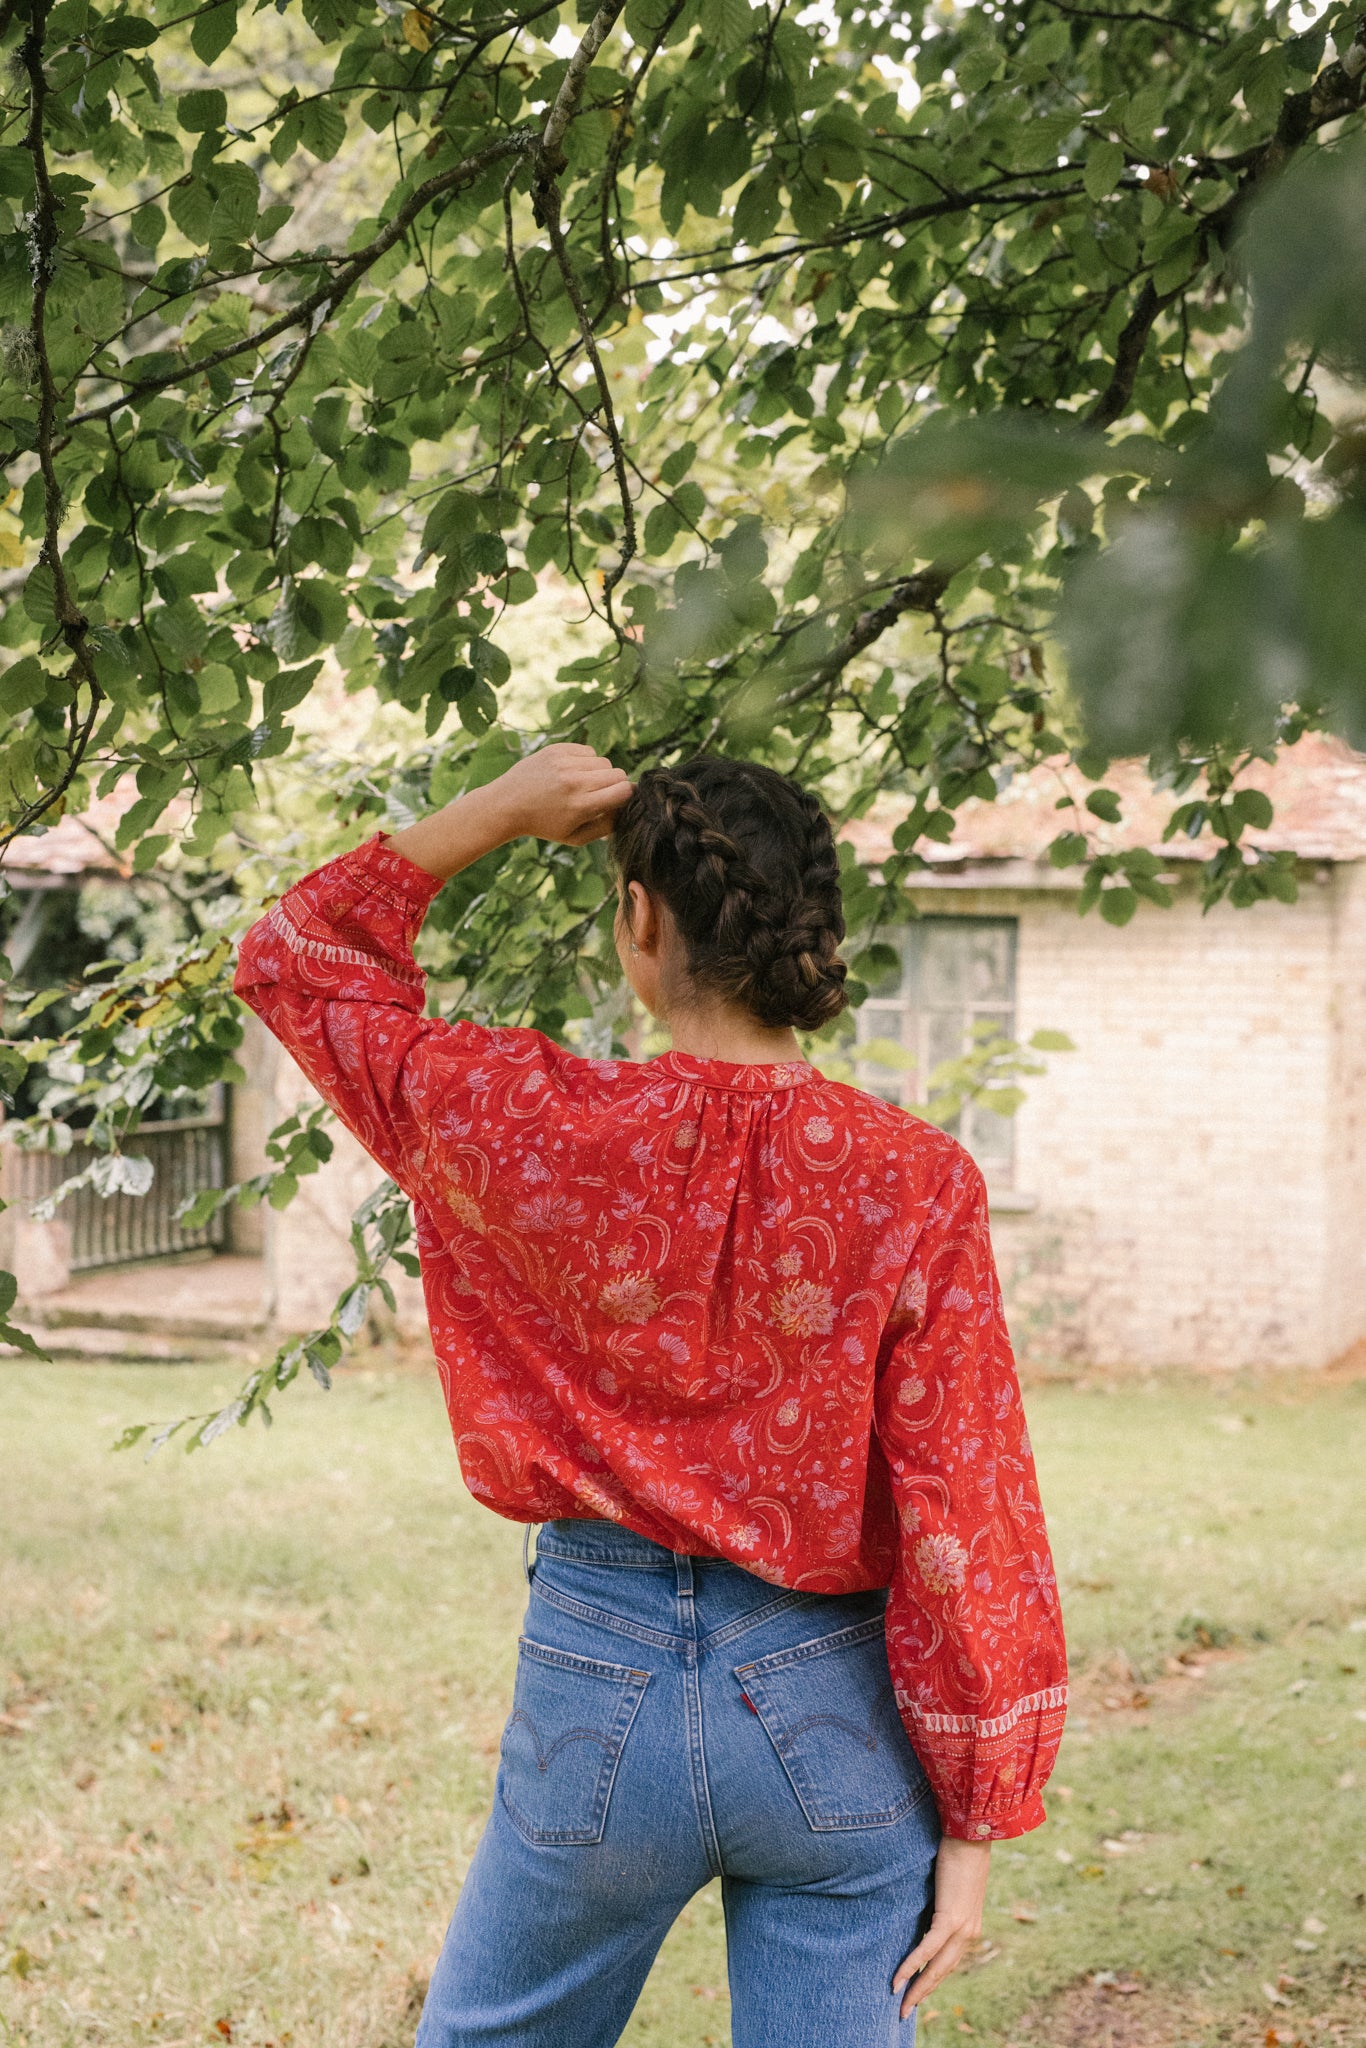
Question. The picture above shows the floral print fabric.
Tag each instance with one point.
(746, 1311)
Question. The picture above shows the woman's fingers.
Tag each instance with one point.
(944, 1965)
(939, 1933)
(932, 1960)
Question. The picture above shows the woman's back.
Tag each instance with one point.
(680, 1274)
(739, 1309)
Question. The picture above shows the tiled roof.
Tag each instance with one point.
(74, 846)
(1318, 788)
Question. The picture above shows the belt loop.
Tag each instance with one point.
(683, 1567)
(526, 1551)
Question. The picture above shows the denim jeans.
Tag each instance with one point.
(676, 1719)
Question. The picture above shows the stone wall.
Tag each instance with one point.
(307, 1246)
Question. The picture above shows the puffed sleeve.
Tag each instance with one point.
(330, 971)
(974, 1631)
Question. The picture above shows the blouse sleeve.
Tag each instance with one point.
(974, 1631)
(330, 971)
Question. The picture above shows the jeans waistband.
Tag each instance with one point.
(598, 1542)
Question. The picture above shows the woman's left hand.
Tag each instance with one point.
(960, 1892)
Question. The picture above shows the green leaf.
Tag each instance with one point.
(40, 601)
(321, 128)
(728, 24)
(675, 467)
(311, 614)
(661, 530)
(1253, 807)
(199, 112)
(1103, 169)
(758, 209)
(1104, 803)
(23, 685)
(1051, 1041)
(213, 31)
(1117, 906)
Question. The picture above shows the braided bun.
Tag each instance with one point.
(745, 860)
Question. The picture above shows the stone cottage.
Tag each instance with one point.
(1188, 1186)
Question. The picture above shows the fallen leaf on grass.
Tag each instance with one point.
(1273, 1996)
(1027, 1915)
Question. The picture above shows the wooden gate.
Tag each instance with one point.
(188, 1154)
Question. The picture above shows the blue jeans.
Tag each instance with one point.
(676, 1719)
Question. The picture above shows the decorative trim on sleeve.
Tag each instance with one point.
(1053, 1698)
(298, 924)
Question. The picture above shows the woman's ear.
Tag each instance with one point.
(641, 919)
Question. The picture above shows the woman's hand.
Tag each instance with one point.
(563, 792)
(960, 1891)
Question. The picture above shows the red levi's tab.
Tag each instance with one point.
(747, 1311)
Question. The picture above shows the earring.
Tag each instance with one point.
(634, 947)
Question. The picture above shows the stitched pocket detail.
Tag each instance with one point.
(829, 1710)
(563, 1741)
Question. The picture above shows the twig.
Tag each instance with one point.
(919, 593)
(335, 290)
(71, 620)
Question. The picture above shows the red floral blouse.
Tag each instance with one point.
(743, 1310)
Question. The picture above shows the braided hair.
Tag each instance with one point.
(745, 860)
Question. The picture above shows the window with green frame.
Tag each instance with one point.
(956, 975)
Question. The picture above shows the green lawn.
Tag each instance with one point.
(252, 1702)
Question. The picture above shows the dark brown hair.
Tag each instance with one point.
(745, 860)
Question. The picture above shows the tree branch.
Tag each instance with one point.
(72, 622)
(918, 593)
(329, 295)
(1113, 402)
(877, 224)
(1128, 14)
(571, 86)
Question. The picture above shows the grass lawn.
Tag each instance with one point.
(252, 1701)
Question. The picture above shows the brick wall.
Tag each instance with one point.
(1345, 1144)
(1199, 1162)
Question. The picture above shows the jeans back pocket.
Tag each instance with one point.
(831, 1715)
(563, 1741)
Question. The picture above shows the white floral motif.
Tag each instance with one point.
(789, 1263)
(632, 1299)
(802, 1309)
(941, 1561)
(819, 1130)
(551, 1212)
(911, 1296)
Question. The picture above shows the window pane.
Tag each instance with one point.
(959, 974)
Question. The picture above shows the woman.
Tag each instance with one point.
(732, 1333)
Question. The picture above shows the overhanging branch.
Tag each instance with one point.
(330, 295)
